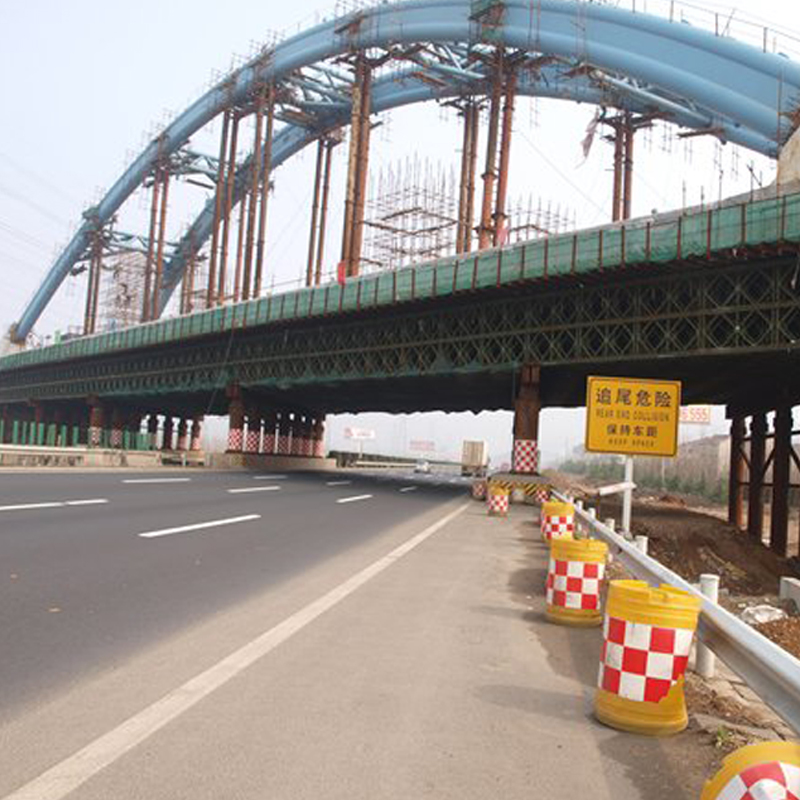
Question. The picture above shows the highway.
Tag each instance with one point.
(234, 635)
(96, 565)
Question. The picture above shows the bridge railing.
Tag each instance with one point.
(772, 672)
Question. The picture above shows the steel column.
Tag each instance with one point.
(736, 479)
(755, 507)
(527, 407)
(781, 465)
(183, 438)
(218, 205)
(313, 232)
(630, 133)
(500, 216)
(266, 171)
(222, 278)
(485, 230)
(330, 144)
(167, 434)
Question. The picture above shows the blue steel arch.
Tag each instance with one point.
(633, 60)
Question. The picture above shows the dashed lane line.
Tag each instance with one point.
(338, 483)
(270, 477)
(54, 504)
(156, 480)
(251, 489)
(409, 489)
(199, 526)
(67, 775)
(354, 499)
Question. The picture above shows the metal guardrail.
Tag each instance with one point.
(769, 670)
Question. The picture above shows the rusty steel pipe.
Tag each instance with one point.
(323, 217)
(266, 170)
(212, 265)
(490, 174)
(222, 277)
(500, 215)
(162, 227)
(151, 247)
(312, 233)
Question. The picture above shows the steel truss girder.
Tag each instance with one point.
(738, 311)
(751, 96)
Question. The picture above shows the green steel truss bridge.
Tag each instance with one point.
(711, 297)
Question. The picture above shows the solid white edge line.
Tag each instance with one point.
(199, 526)
(31, 506)
(354, 499)
(97, 502)
(66, 776)
(156, 480)
(251, 489)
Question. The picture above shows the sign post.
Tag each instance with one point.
(632, 416)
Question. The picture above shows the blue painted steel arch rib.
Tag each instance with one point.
(751, 95)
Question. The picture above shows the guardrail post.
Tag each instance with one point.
(641, 544)
(627, 498)
(706, 661)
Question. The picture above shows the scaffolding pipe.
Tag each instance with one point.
(237, 276)
(630, 132)
(255, 182)
(619, 147)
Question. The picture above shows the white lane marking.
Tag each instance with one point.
(66, 776)
(269, 477)
(54, 504)
(199, 526)
(30, 506)
(250, 489)
(338, 483)
(354, 499)
(156, 480)
(409, 489)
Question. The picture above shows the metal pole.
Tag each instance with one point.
(312, 233)
(255, 182)
(323, 219)
(364, 131)
(616, 203)
(162, 227)
(490, 174)
(352, 167)
(212, 267)
(473, 168)
(706, 661)
(230, 183)
(736, 473)
(755, 506)
(466, 150)
(151, 247)
(500, 215)
(265, 175)
(237, 276)
(630, 132)
(781, 465)
(627, 498)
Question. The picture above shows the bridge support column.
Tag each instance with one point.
(166, 436)
(183, 438)
(526, 422)
(736, 478)
(197, 435)
(755, 504)
(268, 439)
(252, 443)
(96, 424)
(284, 443)
(781, 466)
(117, 427)
(319, 438)
(152, 431)
(296, 448)
(235, 425)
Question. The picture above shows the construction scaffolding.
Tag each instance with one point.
(412, 216)
(121, 291)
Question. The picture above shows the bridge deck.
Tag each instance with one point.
(695, 235)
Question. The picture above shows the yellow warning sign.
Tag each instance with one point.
(633, 416)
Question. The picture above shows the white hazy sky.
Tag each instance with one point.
(86, 83)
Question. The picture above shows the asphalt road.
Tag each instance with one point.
(81, 588)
